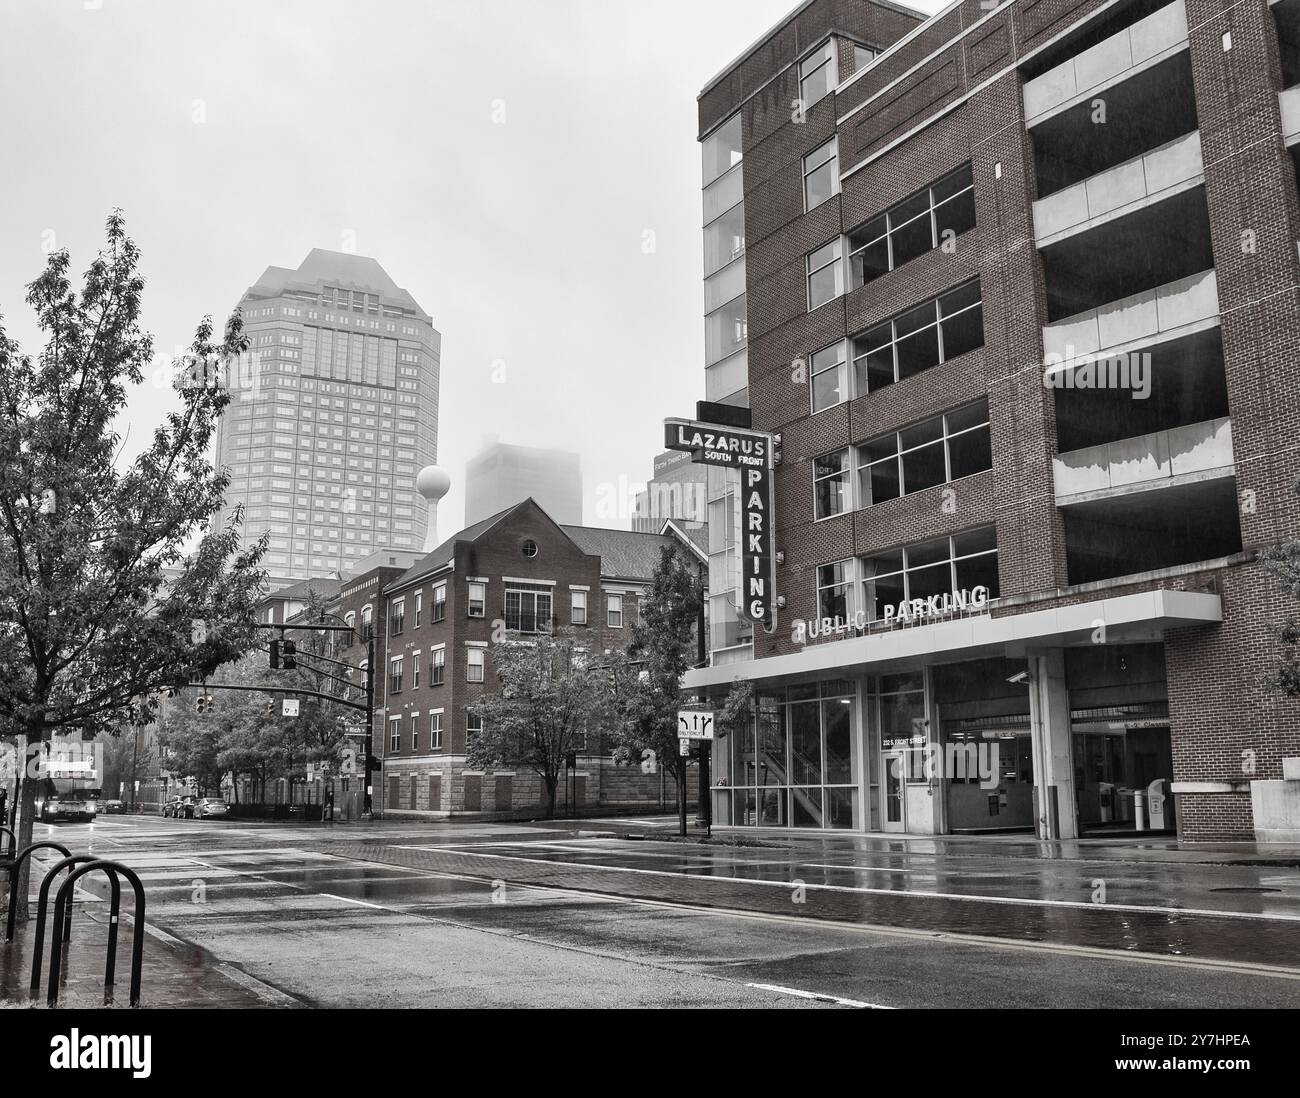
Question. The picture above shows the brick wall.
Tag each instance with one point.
(952, 95)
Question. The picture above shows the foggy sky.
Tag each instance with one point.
(558, 250)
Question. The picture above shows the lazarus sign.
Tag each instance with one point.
(751, 453)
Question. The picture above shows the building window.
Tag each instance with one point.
(821, 175)
(862, 57)
(941, 212)
(367, 625)
(415, 670)
(349, 619)
(831, 484)
(578, 607)
(435, 731)
(415, 733)
(817, 75)
(614, 611)
(939, 567)
(530, 548)
(395, 675)
(835, 590)
(939, 330)
(829, 377)
(439, 602)
(935, 451)
(397, 619)
(473, 725)
(528, 608)
(437, 666)
(395, 734)
(825, 274)
(419, 607)
(477, 599)
(474, 665)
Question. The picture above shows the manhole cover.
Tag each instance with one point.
(1246, 888)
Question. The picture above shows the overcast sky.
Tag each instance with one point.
(563, 242)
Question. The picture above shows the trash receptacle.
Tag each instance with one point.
(1157, 805)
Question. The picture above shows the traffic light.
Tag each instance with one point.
(275, 655)
(289, 650)
(270, 707)
(203, 703)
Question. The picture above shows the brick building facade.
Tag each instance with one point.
(433, 625)
(1020, 303)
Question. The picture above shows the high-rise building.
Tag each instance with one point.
(500, 475)
(678, 493)
(334, 410)
(1016, 286)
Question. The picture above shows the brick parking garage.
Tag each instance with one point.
(1015, 288)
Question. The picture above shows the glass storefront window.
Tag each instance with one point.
(805, 770)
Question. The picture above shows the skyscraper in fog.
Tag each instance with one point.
(499, 476)
(334, 410)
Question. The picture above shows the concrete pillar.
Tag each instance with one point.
(1049, 718)
(868, 741)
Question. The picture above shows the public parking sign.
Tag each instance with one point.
(695, 724)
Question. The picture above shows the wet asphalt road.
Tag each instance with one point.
(468, 914)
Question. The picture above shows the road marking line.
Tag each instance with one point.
(819, 997)
(349, 900)
(862, 890)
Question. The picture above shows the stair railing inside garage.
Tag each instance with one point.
(63, 904)
(14, 867)
(42, 906)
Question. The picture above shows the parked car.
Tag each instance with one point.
(209, 808)
(180, 808)
(112, 807)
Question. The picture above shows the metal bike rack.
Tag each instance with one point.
(14, 868)
(13, 842)
(43, 904)
(62, 905)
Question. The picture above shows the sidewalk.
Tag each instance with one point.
(1135, 849)
(173, 973)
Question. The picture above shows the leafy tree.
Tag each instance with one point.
(737, 710)
(317, 735)
(647, 676)
(90, 629)
(1284, 562)
(192, 741)
(549, 696)
(127, 759)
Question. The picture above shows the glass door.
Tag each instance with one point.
(893, 764)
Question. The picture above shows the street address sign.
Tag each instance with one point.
(695, 724)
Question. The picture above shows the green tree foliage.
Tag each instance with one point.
(1284, 562)
(90, 632)
(245, 733)
(647, 691)
(548, 697)
(127, 759)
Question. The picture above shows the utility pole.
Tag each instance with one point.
(367, 799)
